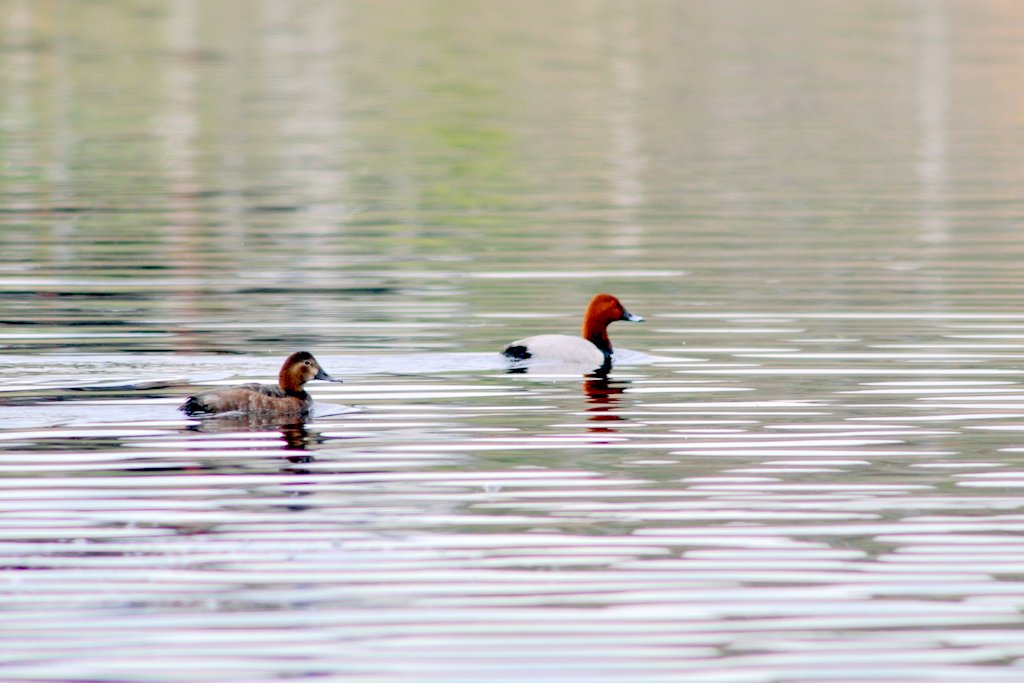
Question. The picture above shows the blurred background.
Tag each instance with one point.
(211, 173)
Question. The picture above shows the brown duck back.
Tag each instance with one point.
(249, 398)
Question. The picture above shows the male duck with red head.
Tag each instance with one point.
(593, 348)
(288, 398)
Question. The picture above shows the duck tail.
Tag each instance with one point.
(517, 352)
(193, 405)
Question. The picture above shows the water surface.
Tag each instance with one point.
(806, 466)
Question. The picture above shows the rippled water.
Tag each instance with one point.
(806, 466)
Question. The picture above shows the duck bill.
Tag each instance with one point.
(629, 317)
(325, 377)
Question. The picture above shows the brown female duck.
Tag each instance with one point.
(287, 398)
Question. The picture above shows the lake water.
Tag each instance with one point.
(807, 465)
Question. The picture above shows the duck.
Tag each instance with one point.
(287, 398)
(592, 348)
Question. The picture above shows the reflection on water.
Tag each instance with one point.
(603, 396)
(294, 434)
(807, 466)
